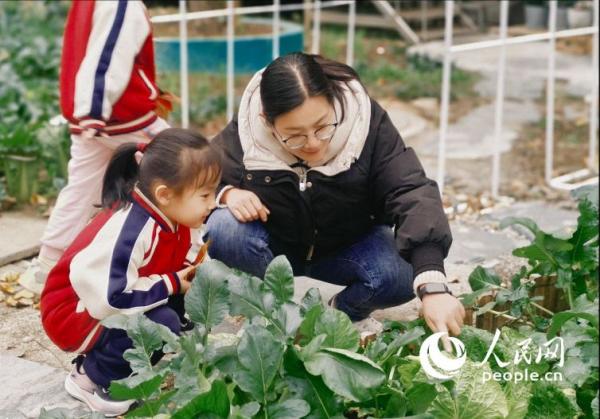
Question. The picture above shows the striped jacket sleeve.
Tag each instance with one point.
(105, 274)
(118, 32)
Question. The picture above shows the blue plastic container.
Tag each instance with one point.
(252, 52)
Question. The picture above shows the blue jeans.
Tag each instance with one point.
(373, 272)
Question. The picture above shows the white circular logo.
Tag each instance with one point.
(431, 356)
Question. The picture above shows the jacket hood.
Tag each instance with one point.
(263, 152)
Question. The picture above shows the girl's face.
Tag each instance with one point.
(189, 208)
(306, 130)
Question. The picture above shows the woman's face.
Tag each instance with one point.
(315, 119)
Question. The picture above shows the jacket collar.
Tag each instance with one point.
(143, 201)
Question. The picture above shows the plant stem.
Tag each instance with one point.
(544, 309)
(509, 317)
(570, 297)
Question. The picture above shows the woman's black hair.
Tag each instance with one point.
(291, 79)
(177, 157)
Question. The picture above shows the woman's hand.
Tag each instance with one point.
(245, 205)
(443, 313)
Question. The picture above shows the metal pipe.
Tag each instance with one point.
(514, 40)
(230, 59)
(276, 23)
(316, 32)
(592, 164)
(183, 53)
(206, 14)
(441, 167)
(499, 99)
(351, 31)
(550, 94)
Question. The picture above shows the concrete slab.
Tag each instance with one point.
(548, 217)
(29, 386)
(472, 136)
(526, 67)
(477, 245)
(19, 236)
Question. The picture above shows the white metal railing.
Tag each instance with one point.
(586, 175)
(276, 8)
(502, 42)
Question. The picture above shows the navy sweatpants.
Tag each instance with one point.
(105, 363)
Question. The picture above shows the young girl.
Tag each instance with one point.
(131, 258)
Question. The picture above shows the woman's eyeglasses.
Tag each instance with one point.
(324, 133)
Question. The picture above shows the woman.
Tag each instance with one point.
(315, 170)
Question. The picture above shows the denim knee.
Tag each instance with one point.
(243, 246)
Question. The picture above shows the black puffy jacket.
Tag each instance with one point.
(386, 185)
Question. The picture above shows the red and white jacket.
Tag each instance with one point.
(107, 76)
(124, 261)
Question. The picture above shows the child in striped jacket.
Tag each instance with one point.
(134, 257)
(109, 96)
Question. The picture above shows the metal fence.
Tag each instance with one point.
(562, 182)
(567, 181)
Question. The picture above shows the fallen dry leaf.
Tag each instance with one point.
(10, 276)
(24, 294)
(7, 288)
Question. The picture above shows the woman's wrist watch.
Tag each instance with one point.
(432, 288)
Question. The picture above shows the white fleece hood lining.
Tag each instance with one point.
(263, 152)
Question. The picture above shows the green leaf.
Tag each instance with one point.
(401, 340)
(586, 192)
(214, 401)
(311, 388)
(543, 249)
(595, 409)
(482, 278)
(120, 391)
(306, 330)
(287, 317)
(561, 318)
(474, 397)
(147, 337)
(247, 411)
(289, 409)
(339, 329)
(574, 370)
(348, 374)
(587, 229)
(150, 408)
(207, 301)
(548, 401)
(420, 396)
(311, 298)
(528, 223)
(260, 356)
(470, 299)
(248, 297)
(279, 278)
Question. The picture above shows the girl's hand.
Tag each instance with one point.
(184, 286)
(185, 278)
(443, 313)
(245, 205)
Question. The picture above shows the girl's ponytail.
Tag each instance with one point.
(120, 177)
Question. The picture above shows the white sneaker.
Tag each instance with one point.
(79, 385)
(34, 278)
